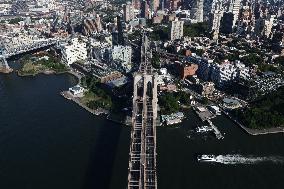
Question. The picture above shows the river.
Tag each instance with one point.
(48, 142)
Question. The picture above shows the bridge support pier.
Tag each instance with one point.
(4, 67)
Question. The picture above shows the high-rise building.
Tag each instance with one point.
(176, 29)
(199, 12)
(235, 9)
(155, 5)
(145, 9)
(176, 4)
(268, 25)
(128, 13)
(227, 23)
(123, 54)
(215, 20)
(172, 4)
(75, 51)
(227, 72)
(117, 36)
(136, 4)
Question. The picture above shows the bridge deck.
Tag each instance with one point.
(142, 161)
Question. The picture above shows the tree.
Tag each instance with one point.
(169, 103)
(199, 52)
(195, 30)
(279, 60)
(159, 33)
(205, 101)
(156, 63)
(252, 59)
(233, 57)
(184, 97)
(265, 112)
(15, 20)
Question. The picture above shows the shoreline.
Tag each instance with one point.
(6, 70)
(45, 72)
(97, 112)
(75, 74)
(255, 132)
(68, 96)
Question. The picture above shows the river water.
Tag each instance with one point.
(49, 142)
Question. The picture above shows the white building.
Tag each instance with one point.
(176, 30)
(164, 71)
(128, 13)
(199, 13)
(235, 9)
(76, 90)
(75, 51)
(123, 54)
(268, 24)
(243, 71)
(215, 21)
(223, 74)
(215, 110)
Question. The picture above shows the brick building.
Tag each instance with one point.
(188, 70)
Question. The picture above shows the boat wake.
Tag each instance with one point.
(240, 159)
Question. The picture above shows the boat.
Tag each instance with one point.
(206, 158)
(203, 129)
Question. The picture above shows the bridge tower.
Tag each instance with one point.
(142, 162)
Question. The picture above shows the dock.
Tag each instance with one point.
(216, 130)
(203, 113)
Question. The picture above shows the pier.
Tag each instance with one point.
(215, 130)
(205, 115)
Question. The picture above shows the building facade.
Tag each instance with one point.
(176, 30)
(123, 54)
(75, 51)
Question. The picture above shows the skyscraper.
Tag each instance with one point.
(136, 4)
(172, 4)
(117, 36)
(199, 13)
(215, 20)
(155, 5)
(235, 9)
(227, 23)
(128, 12)
(145, 12)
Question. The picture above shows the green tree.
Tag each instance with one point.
(279, 60)
(169, 103)
(156, 63)
(195, 30)
(184, 97)
(252, 59)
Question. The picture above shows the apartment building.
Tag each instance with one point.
(76, 50)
